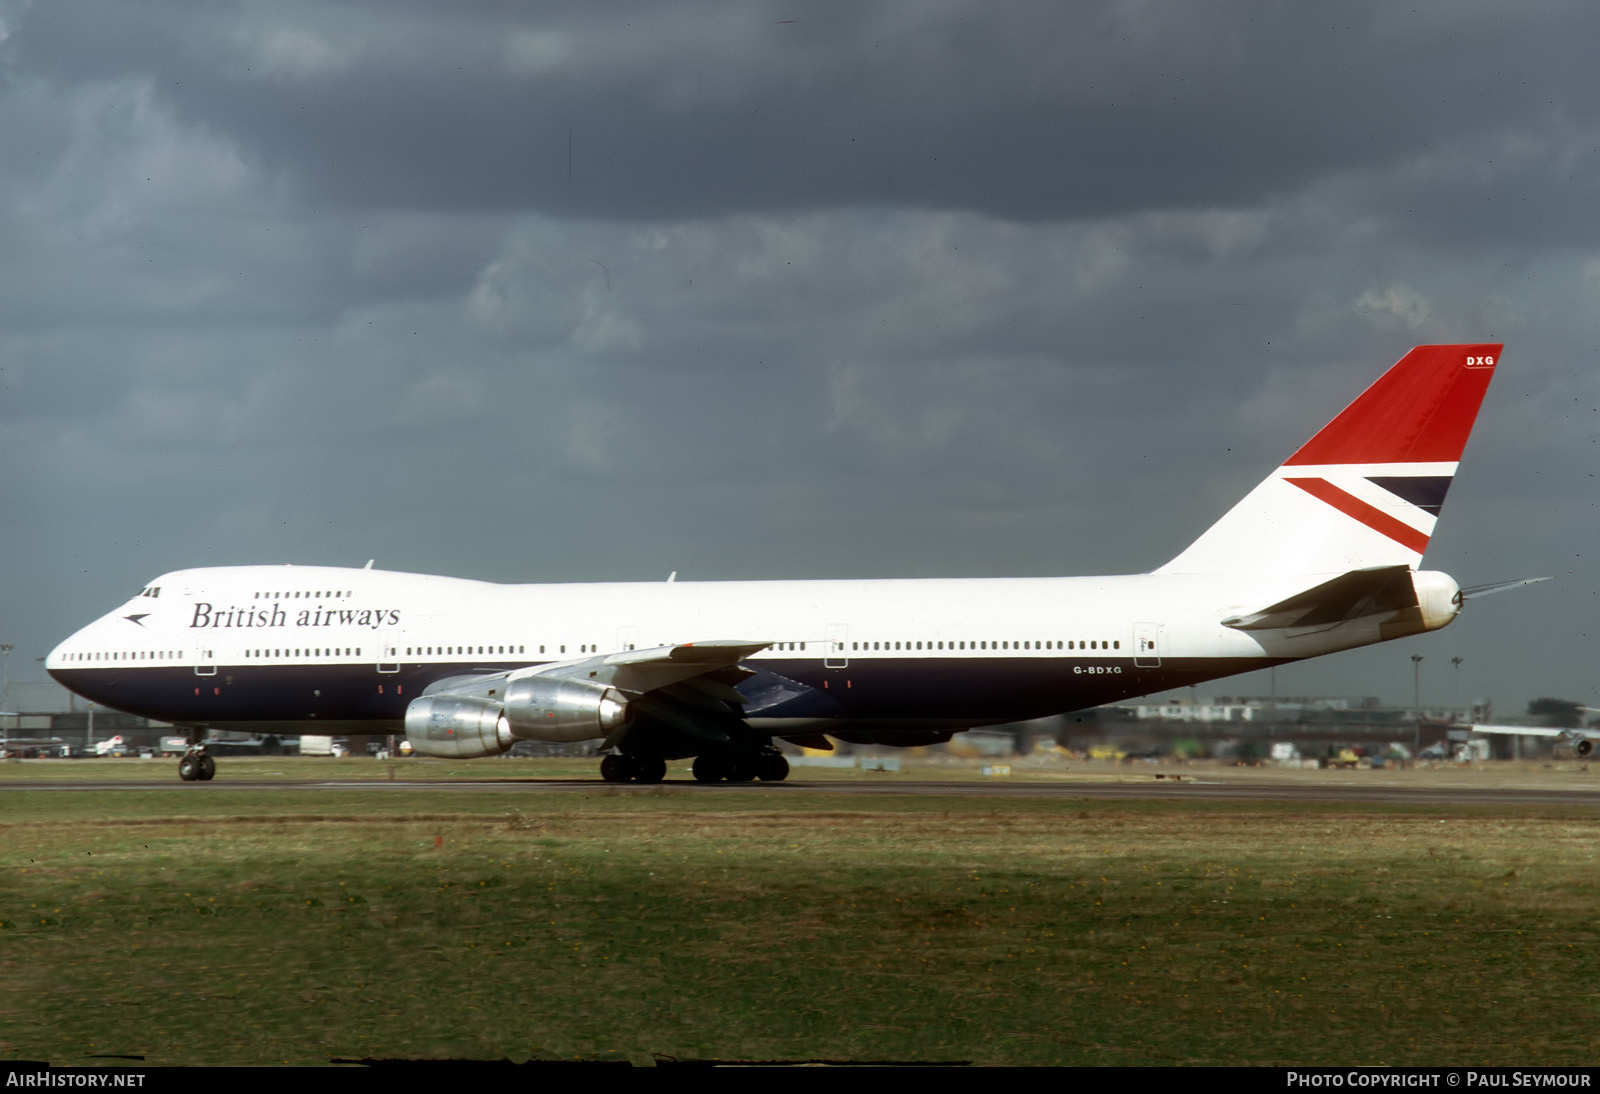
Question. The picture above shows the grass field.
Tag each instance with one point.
(251, 927)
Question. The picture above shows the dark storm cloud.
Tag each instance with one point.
(703, 109)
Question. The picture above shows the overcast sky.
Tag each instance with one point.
(566, 292)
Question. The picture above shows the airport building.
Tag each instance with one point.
(1241, 728)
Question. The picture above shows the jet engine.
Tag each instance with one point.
(535, 708)
(1573, 746)
(553, 708)
(457, 727)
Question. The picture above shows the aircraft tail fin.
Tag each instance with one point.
(1367, 489)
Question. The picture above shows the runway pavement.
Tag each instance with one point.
(1577, 791)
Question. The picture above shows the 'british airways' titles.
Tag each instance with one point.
(206, 616)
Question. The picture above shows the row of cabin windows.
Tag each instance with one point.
(1073, 644)
(490, 651)
(445, 651)
(162, 655)
(297, 595)
(130, 655)
(346, 651)
(440, 651)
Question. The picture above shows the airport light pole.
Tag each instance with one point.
(1416, 701)
(5, 691)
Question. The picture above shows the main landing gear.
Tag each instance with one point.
(623, 768)
(196, 766)
(768, 765)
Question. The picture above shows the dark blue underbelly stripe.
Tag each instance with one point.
(981, 690)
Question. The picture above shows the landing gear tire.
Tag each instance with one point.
(709, 769)
(771, 767)
(741, 769)
(639, 769)
(197, 768)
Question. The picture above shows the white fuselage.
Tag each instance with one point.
(302, 649)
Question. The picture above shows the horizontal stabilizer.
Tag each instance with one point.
(1376, 591)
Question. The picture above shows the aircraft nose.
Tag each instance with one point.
(76, 645)
(57, 657)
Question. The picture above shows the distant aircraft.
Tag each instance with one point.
(1576, 742)
(1320, 557)
(22, 747)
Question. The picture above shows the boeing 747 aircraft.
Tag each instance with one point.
(1321, 556)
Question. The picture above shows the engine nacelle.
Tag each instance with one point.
(457, 727)
(1571, 746)
(553, 708)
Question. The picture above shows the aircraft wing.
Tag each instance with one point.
(686, 689)
(634, 672)
(1528, 731)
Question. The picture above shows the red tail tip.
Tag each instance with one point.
(1420, 411)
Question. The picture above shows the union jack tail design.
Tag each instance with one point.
(1366, 490)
